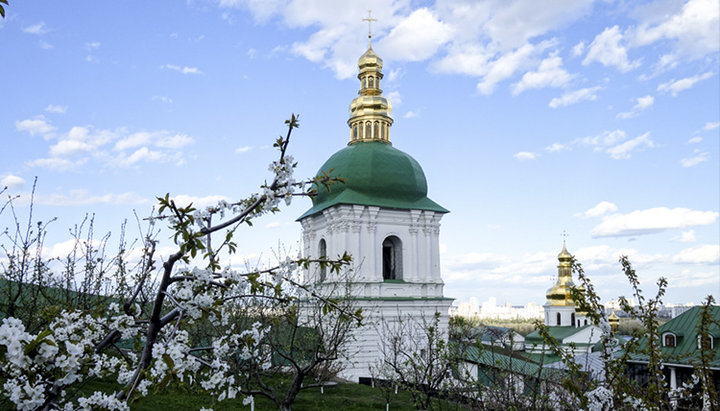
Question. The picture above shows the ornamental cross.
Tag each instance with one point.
(369, 19)
(564, 236)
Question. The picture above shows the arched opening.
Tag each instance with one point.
(586, 321)
(371, 82)
(572, 320)
(322, 253)
(355, 132)
(376, 131)
(558, 318)
(392, 258)
(368, 130)
(707, 343)
(669, 340)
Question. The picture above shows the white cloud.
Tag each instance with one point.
(92, 45)
(84, 198)
(410, 114)
(622, 151)
(160, 138)
(505, 66)
(52, 108)
(12, 181)
(695, 140)
(394, 98)
(66, 148)
(601, 208)
(687, 237)
(676, 86)
(56, 164)
(162, 99)
(694, 29)
(141, 154)
(416, 37)
(650, 221)
(38, 28)
(572, 97)
(693, 161)
(606, 138)
(184, 70)
(35, 125)
(86, 142)
(243, 149)
(525, 155)
(578, 49)
(550, 73)
(555, 147)
(702, 254)
(45, 45)
(711, 125)
(643, 103)
(165, 140)
(607, 50)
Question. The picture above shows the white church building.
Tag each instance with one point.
(570, 327)
(383, 217)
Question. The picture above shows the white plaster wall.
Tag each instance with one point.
(360, 230)
(566, 313)
(365, 349)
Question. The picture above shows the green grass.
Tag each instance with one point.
(343, 397)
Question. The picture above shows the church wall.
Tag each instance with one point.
(360, 230)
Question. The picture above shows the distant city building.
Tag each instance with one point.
(489, 310)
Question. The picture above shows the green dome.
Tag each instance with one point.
(376, 174)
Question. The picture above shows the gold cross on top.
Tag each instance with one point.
(369, 19)
(564, 236)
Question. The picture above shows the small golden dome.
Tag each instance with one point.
(559, 294)
(564, 255)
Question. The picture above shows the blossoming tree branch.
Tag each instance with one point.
(155, 341)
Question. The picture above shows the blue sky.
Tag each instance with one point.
(529, 118)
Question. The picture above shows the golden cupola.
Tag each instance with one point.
(370, 111)
(559, 294)
(614, 321)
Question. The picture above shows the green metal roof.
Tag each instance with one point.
(495, 357)
(559, 333)
(685, 327)
(375, 174)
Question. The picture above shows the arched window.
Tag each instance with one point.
(355, 132)
(392, 258)
(586, 321)
(371, 82)
(572, 320)
(669, 340)
(368, 131)
(322, 253)
(705, 343)
(376, 131)
(382, 131)
(364, 82)
(558, 318)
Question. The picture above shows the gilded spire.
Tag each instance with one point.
(559, 294)
(370, 112)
